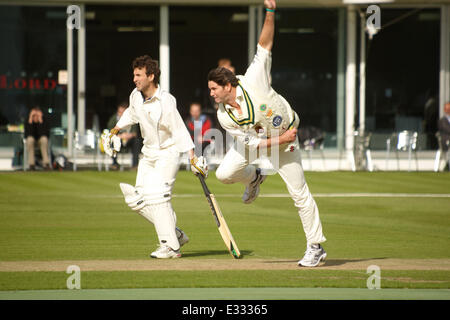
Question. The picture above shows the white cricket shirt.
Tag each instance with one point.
(265, 113)
(160, 122)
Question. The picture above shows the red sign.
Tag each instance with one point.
(24, 83)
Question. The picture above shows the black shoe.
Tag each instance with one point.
(32, 167)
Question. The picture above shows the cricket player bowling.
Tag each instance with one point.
(259, 118)
(165, 139)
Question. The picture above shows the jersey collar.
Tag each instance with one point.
(157, 95)
(245, 102)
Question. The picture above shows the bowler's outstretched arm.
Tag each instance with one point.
(268, 30)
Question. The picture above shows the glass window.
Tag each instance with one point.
(33, 51)
(304, 65)
(115, 36)
(403, 74)
(199, 37)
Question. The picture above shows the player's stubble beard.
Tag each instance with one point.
(225, 99)
(144, 88)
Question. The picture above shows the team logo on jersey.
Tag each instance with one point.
(277, 121)
(269, 113)
(263, 107)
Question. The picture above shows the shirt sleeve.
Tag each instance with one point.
(128, 117)
(258, 73)
(180, 134)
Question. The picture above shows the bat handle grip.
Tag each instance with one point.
(204, 186)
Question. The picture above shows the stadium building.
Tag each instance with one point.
(381, 66)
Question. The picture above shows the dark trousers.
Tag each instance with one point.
(134, 145)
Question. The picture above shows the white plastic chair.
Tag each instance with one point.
(86, 144)
(404, 141)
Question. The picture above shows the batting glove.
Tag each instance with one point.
(110, 143)
(199, 166)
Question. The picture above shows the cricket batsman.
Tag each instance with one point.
(165, 139)
(259, 118)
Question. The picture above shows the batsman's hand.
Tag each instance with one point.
(110, 143)
(199, 166)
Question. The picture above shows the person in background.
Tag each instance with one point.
(444, 130)
(203, 123)
(131, 137)
(226, 63)
(37, 131)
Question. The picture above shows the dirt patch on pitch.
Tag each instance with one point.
(222, 264)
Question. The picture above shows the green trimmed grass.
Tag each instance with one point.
(82, 216)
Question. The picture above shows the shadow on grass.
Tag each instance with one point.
(213, 253)
(340, 262)
(328, 262)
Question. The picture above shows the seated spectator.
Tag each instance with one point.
(37, 131)
(131, 137)
(197, 124)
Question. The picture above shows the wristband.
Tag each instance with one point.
(270, 10)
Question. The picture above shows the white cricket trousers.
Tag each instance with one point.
(155, 179)
(235, 167)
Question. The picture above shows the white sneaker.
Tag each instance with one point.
(313, 255)
(182, 237)
(252, 190)
(165, 252)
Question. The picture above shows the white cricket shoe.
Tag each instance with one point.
(252, 190)
(313, 255)
(182, 237)
(165, 252)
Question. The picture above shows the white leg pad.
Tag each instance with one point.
(136, 201)
(160, 214)
(132, 197)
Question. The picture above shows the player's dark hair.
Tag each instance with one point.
(223, 76)
(150, 65)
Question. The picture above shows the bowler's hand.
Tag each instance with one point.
(270, 4)
(289, 136)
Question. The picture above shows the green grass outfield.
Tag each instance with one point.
(55, 216)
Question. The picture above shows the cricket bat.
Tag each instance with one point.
(220, 220)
